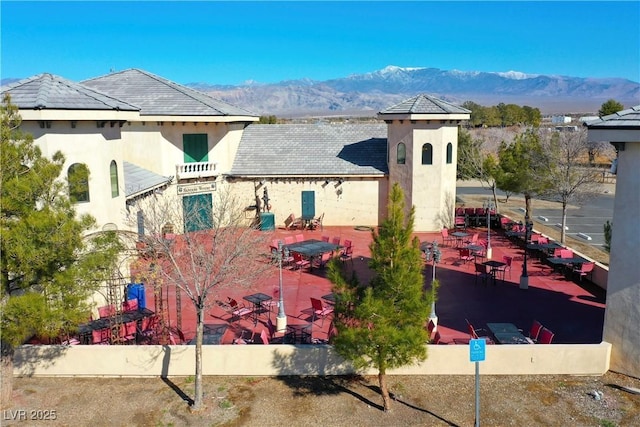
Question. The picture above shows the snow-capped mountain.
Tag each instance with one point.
(369, 93)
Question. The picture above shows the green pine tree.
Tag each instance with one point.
(382, 325)
(48, 266)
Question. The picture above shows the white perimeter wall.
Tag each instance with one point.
(276, 360)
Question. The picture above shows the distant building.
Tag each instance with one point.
(585, 119)
(556, 120)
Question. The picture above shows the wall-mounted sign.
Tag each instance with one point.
(186, 189)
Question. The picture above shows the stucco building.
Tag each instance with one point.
(137, 133)
(622, 315)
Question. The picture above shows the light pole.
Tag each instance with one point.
(432, 252)
(524, 279)
(488, 205)
(281, 319)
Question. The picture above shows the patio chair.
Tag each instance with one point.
(445, 237)
(299, 262)
(101, 336)
(106, 311)
(508, 260)
(566, 253)
(264, 337)
(437, 339)
(347, 254)
(536, 327)
(474, 333)
(325, 239)
(465, 255)
(130, 305)
(317, 222)
(319, 310)
(546, 336)
(585, 269)
(127, 333)
(238, 311)
(473, 240)
(430, 329)
(460, 222)
(482, 273)
(336, 240)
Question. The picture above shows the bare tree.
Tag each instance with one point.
(564, 159)
(223, 251)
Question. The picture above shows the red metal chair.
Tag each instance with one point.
(585, 269)
(106, 311)
(238, 311)
(319, 310)
(465, 255)
(299, 262)
(445, 237)
(130, 305)
(101, 336)
(546, 336)
(508, 260)
(536, 327)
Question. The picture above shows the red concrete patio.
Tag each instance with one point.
(573, 311)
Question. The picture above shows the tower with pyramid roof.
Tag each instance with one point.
(422, 149)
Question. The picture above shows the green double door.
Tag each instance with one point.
(197, 210)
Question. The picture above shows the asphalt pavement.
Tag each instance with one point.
(587, 219)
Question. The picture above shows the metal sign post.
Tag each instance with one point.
(477, 354)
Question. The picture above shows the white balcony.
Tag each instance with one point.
(195, 170)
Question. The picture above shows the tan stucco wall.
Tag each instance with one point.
(430, 188)
(159, 147)
(622, 315)
(95, 147)
(357, 201)
(274, 360)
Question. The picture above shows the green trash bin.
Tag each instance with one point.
(267, 221)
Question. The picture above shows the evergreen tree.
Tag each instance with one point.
(48, 266)
(382, 325)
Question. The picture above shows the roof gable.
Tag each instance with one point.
(48, 91)
(158, 96)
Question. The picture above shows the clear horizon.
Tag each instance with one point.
(268, 42)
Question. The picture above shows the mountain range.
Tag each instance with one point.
(366, 94)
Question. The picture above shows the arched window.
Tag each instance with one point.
(78, 180)
(402, 153)
(449, 153)
(427, 154)
(113, 172)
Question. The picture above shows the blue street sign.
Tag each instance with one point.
(477, 350)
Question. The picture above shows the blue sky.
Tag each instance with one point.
(234, 42)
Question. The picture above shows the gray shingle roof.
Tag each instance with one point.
(425, 104)
(138, 180)
(48, 91)
(312, 149)
(158, 96)
(624, 119)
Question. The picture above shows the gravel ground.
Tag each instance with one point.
(329, 401)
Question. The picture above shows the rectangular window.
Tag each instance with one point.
(195, 147)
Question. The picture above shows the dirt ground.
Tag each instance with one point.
(327, 401)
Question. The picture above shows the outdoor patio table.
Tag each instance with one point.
(299, 334)
(257, 300)
(495, 267)
(312, 248)
(211, 334)
(85, 329)
(507, 333)
(329, 298)
(565, 262)
(459, 235)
